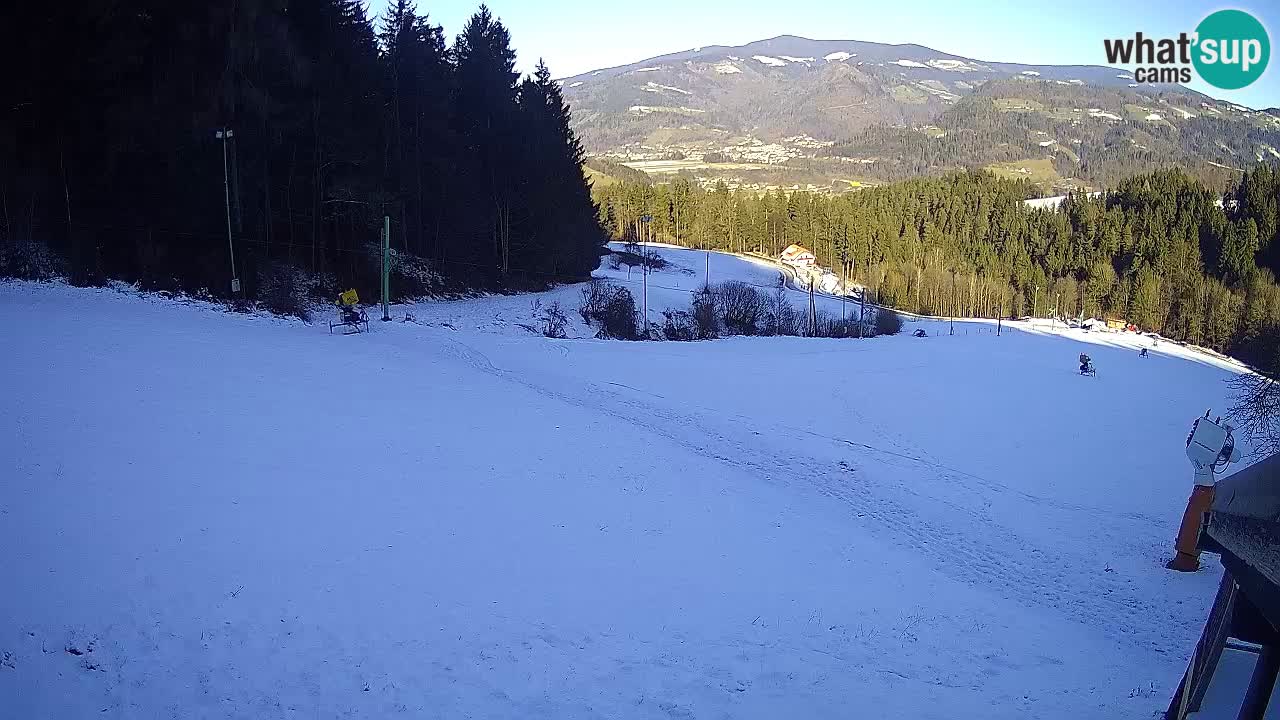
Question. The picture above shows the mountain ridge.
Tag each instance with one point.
(767, 114)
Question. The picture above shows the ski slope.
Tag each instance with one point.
(235, 516)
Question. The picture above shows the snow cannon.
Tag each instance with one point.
(1210, 448)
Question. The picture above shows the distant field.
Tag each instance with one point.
(1038, 170)
(668, 167)
(1017, 105)
(598, 178)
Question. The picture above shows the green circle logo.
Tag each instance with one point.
(1232, 49)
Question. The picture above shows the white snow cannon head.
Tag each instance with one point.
(1210, 448)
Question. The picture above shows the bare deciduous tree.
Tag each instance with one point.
(1256, 412)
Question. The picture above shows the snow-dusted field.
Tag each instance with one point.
(205, 514)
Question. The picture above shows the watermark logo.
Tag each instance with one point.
(1229, 50)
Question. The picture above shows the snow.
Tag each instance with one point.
(1097, 113)
(1031, 73)
(953, 66)
(770, 61)
(796, 59)
(1154, 116)
(231, 515)
(1047, 143)
(908, 63)
(839, 56)
(647, 109)
(648, 69)
(1125, 76)
(576, 84)
(657, 88)
(726, 68)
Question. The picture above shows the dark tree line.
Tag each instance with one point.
(109, 156)
(1160, 251)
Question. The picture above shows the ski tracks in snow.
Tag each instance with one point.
(985, 553)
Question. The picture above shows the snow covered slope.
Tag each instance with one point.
(206, 514)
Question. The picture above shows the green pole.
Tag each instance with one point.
(386, 265)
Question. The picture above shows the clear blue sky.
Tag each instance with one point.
(574, 36)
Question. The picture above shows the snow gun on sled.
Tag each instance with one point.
(350, 317)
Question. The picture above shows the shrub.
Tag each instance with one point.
(706, 324)
(551, 319)
(282, 289)
(887, 322)
(638, 257)
(679, 325)
(830, 326)
(619, 318)
(30, 261)
(595, 295)
(781, 317)
(741, 307)
(412, 277)
(612, 307)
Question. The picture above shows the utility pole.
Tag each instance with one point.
(386, 265)
(813, 311)
(645, 265)
(862, 309)
(953, 303)
(1035, 304)
(225, 134)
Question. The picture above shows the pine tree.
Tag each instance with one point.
(485, 120)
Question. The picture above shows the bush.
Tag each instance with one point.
(641, 256)
(887, 322)
(612, 307)
(830, 326)
(282, 289)
(706, 324)
(781, 317)
(551, 319)
(678, 325)
(741, 307)
(412, 277)
(30, 261)
(595, 295)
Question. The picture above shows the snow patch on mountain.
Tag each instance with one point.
(770, 61)
(840, 56)
(953, 66)
(656, 88)
(726, 68)
(909, 63)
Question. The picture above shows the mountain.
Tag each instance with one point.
(839, 113)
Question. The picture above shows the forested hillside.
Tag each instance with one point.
(1158, 251)
(1099, 135)
(110, 156)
